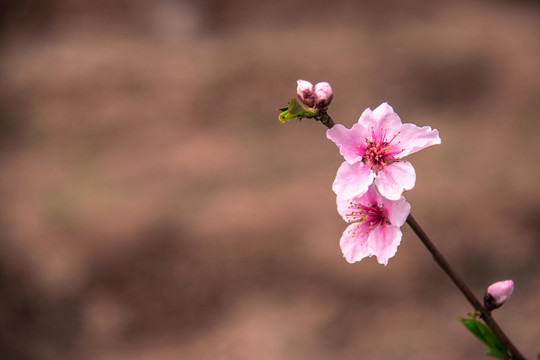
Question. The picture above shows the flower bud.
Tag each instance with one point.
(305, 92)
(323, 95)
(497, 294)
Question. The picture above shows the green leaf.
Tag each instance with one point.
(296, 110)
(484, 333)
(497, 354)
(285, 116)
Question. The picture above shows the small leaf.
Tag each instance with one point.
(285, 116)
(296, 110)
(475, 315)
(484, 333)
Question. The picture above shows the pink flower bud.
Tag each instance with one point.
(323, 95)
(305, 92)
(498, 293)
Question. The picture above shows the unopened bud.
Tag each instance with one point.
(497, 294)
(305, 92)
(323, 95)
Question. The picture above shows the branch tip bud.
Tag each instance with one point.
(497, 294)
(322, 94)
(305, 92)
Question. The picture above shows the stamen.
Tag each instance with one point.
(380, 150)
(374, 215)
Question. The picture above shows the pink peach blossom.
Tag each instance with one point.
(374, 226)
(373, 150)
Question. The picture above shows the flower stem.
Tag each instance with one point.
(485, 315)
(325, 119)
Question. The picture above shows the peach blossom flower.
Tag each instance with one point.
(374, 226)
(373, 150)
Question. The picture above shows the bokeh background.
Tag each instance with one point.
(153, 207)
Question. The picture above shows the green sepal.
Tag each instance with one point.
(484, 333)
(296, 110)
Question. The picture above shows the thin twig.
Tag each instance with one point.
(325, 119)
(485, 315)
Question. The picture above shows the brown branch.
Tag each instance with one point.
(485, 315)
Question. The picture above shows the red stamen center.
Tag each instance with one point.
(372, 216)
(380, 151)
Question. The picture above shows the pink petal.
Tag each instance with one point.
(397, 211)
(395, 178)
(383, 242)
(412, 138)
(352, 180)
(353, 243)
(343, 207)
(351, 143)
(382, 117)
(371, 197)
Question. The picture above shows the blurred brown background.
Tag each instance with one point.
(153, 207)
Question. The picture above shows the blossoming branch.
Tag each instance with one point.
(370, 186)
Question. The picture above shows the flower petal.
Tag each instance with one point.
(351, 143)
(383, 242)
(371, 197)
(395, 178)
(353, 243)
(397, 211)
(412, 138)
(343, 207)
(382, 117)
(352, 180)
